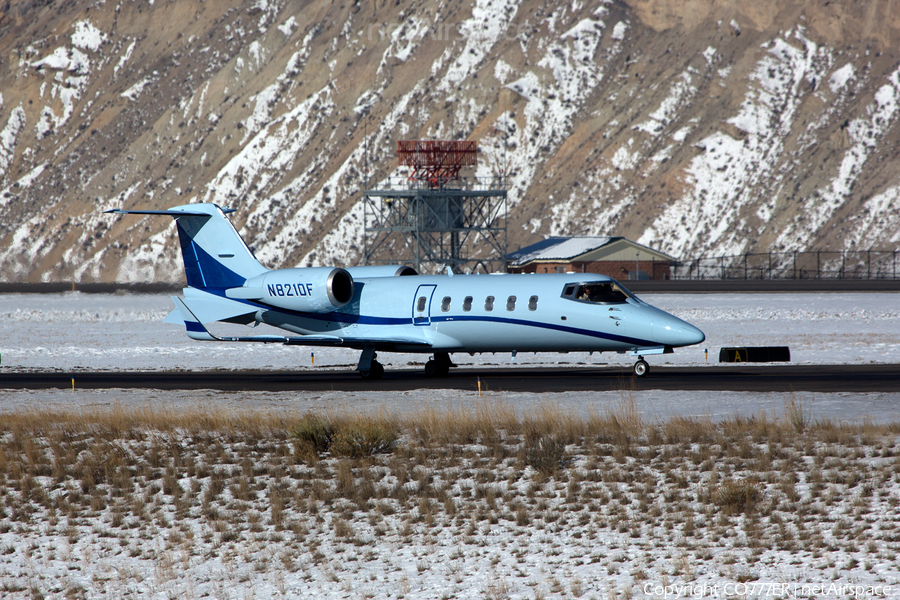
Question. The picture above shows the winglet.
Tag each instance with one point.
(195, 329)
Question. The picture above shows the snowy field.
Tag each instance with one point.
(77, 331)
(744, 509)
(200, 514)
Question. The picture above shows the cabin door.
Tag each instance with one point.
(421, 308)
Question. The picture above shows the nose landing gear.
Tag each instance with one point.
(641, 368)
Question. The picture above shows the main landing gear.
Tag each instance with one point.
(641, 368)
(371, 369)
(368, 367)
(376, 371)
(439, 366)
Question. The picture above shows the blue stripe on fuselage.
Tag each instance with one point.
(564, 328)
(352, 318)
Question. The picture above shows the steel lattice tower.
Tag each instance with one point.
(434, 217)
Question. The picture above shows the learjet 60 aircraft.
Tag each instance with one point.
(392, 309)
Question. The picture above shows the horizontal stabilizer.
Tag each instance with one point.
(170, 212)
(174, 317)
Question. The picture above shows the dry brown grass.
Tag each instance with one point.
(123, 422)
(485, 423)
(239, 472)
(737, 495)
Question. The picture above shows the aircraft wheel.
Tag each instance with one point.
(431, 368)
(375, 372)
(442, 363)
(641, 368)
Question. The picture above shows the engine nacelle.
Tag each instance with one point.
(314, 289)
(381, 271)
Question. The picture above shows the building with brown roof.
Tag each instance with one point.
(617, 257)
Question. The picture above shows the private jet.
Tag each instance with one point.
(391, 308)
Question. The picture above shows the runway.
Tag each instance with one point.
(739, 378)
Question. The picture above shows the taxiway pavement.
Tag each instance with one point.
(740, 378)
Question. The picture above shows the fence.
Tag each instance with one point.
(866, 264)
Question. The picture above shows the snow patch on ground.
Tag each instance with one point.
(709, 214)
(876, 217)
(124, 58)
(88, 37)
(70, 81)
(489, 22)
(8, 136)
(8, 193)
(866, 135)
(841, 77)
(287, 28)
(135, 90)
(680, 94)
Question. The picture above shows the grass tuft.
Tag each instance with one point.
(736, 496)
(360, 438)
(545, 454)
(797, 415)
(312, 434)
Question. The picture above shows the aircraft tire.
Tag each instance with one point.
(641, 368)
(443, 363)
(431, 368)
(375, 372)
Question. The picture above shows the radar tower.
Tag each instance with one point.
(433, 217)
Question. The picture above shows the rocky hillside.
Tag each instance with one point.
(697, 127)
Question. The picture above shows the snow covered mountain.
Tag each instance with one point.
(699, 128)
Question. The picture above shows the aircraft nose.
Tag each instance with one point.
(691, 335)
(676, 332)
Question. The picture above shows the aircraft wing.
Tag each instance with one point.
(197, 331)
(360, 342)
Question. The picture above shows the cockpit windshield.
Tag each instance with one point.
(597, 292)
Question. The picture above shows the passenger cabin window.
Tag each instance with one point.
(421, 304)
(604, 292)
(511, 303)
(445, 304)
(467, 304)
(532, 303)
(489, 303)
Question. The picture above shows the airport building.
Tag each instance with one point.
(616, 257)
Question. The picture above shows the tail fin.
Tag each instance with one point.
(214, 254)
